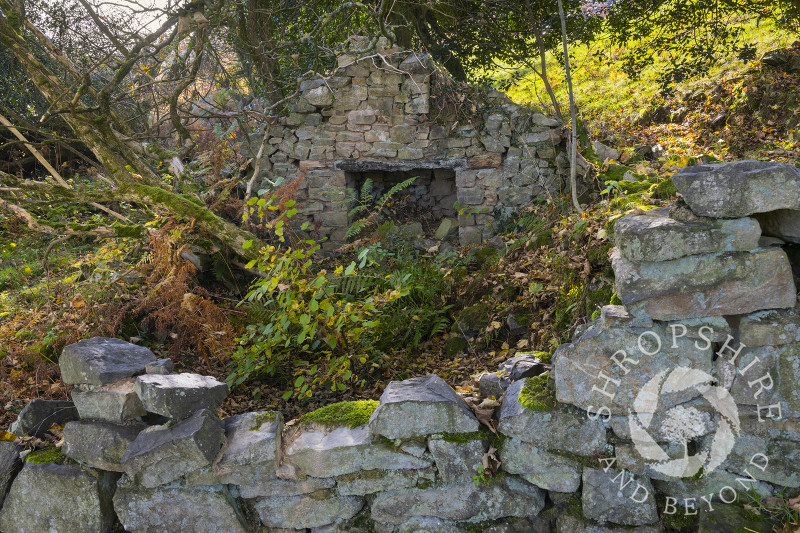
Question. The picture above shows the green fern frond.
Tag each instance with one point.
(355, 228)
(366, 191)
(395, 189)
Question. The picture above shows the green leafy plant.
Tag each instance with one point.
(369, 209)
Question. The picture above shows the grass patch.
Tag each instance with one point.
(349, 414)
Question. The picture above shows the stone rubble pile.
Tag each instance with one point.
(679, 401)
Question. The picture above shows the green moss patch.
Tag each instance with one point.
(51, 454)
(463, 438)
(349, 414)
(538, 394)
(455, 346)
(263, 418)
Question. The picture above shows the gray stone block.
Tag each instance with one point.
(544, 469)
(732, 283)
(655, 236)
(177, 509)
(603, 499)
(101, 360)
(51, 497)
(421, 406)
(178, 396)
(161, 454)
(325, 453)
(739, 188)
(39, 415)
(771, 327)
(10, 465)
(299, 512)
(116, 402)
(463, 502)
(100, 445)
(252, 448)
(556, 429)
(458, 462)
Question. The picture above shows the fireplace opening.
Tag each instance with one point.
(427, 200)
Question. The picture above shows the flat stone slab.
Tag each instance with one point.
(772, 327)
(100, 445)
(739, 189)
(372, 481)
(783, 224)
(10, 465)
(421, 406)
(327, 453)
(116, 402)
(461, 502)
(51, 497)
(274, 487)
(458, 461)
(299, 512)
(544, 469)
(161, 454)
(39, 415)
(520, 366)
(586, 376)
(571, 524)
(779, 368)
(102, 360)
(252, 448)
(178, 396)
(730, 283)
(655, 236)
(551, 430)
(176, 509)
(603, 499)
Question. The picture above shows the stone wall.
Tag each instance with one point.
(666, 410)
(387, 112)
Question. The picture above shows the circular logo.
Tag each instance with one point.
(683, 424)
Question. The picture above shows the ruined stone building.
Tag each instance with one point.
(389, 115)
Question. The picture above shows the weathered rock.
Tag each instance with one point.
(252, 448)
(39, 415)
(372, 481)
(655, 236)
(771, 327)
(299, 512)
(275, 487)
(739, 188)
(544, 469)
(552, 430)
(458, 462)
(768, 375)
(10, 465)
(428, 524)
(319, 96)
(326, 453)
(102, 360)
(51, 497)
(727, 518)
(116, 402)
(783, 224)
(731, 283)
(463, 502)
(710, 486)
(100, 445)
(160, 366)
(662, 425)
(161, 454)
(178, 396)
(618, 497)
(604, 152)
(176, 509)
(586, 375)
(421, 406)
(520, 366)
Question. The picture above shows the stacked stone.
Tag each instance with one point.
(376, 115)
(705, 295)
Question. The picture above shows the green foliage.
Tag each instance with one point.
(538, 394)
(367, 207)
(348, 414)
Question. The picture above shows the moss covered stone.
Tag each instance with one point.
(455, 346)
(473, 320)
(263, 418)
(134, 231)
(665, 189)
(349, 414)
(51, 454)
(538, 394)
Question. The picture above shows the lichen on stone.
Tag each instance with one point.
(349, 414)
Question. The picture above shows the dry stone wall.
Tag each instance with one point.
(671, 407)
(380, 114)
